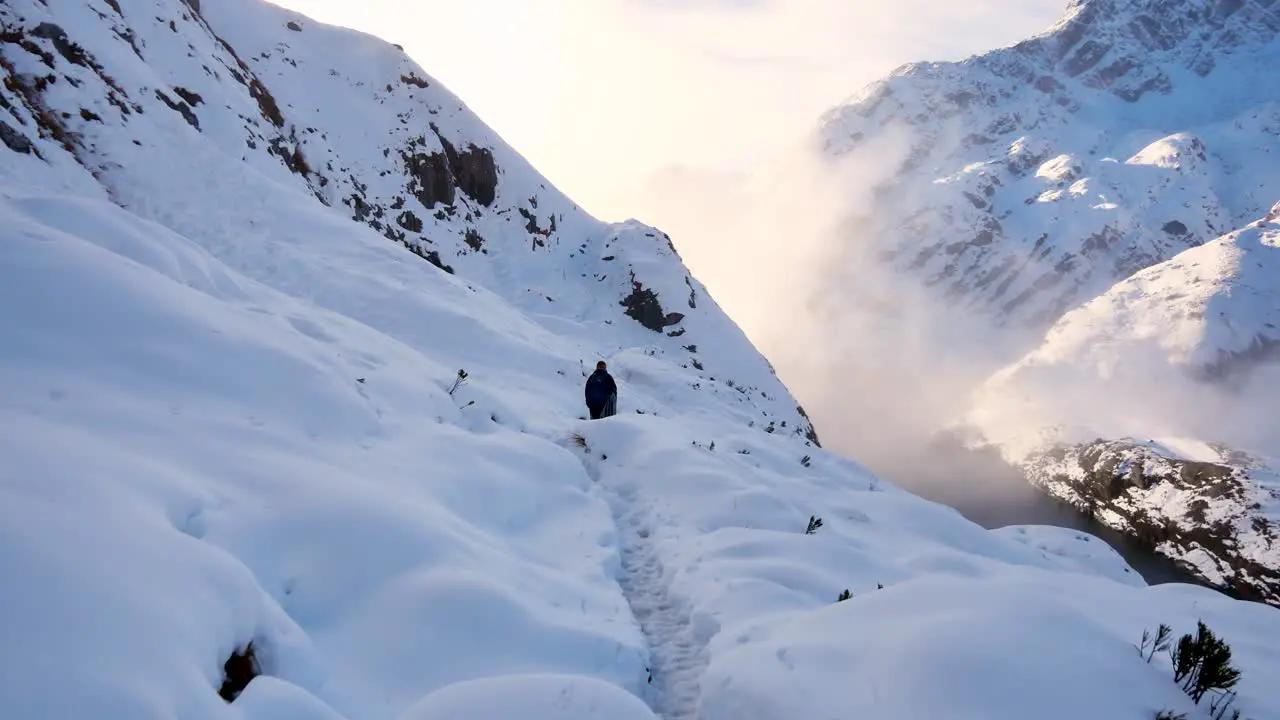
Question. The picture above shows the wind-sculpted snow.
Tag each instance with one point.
(233, 416)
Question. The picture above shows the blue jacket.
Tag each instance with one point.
(600, 388)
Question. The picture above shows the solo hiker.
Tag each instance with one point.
(601, 393)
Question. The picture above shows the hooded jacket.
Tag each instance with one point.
(600, 388)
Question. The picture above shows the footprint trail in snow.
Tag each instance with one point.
(677, 657)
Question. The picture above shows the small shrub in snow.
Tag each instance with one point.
(1170, 715)
(237, 672)
(1221, 704)
(806, 461)
(579, 440)
(1152, 645)
(457, 382)
(844, 595)
(1202, 663)
(1201, 666)
(814, 523)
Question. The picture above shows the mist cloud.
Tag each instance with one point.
(878, 363)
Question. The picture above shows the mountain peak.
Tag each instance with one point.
(1124, 45)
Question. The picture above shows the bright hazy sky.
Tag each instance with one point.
(603, 95)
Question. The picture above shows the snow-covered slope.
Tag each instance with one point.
(232, 416)
(1209, 312)
(193, 463)
(1036, 176)
(197, 119)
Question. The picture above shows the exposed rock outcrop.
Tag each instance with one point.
(1208, 516)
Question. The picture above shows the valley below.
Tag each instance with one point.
(989, 492)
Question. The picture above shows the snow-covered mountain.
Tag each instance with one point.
(1104, 183)
(1036, 176)
(252, 97)
(238, 448)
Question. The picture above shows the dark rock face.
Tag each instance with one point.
(409, 221)
(14, 140)
(429, 178)
(810, 432)
(190, 98)
(642, 306)
(72, 52)
(433, 257)
(474, 172)
(435, 178)
(181, 108)
(415, 81)
(1206, 516)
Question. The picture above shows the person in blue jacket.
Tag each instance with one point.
(601, 393)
